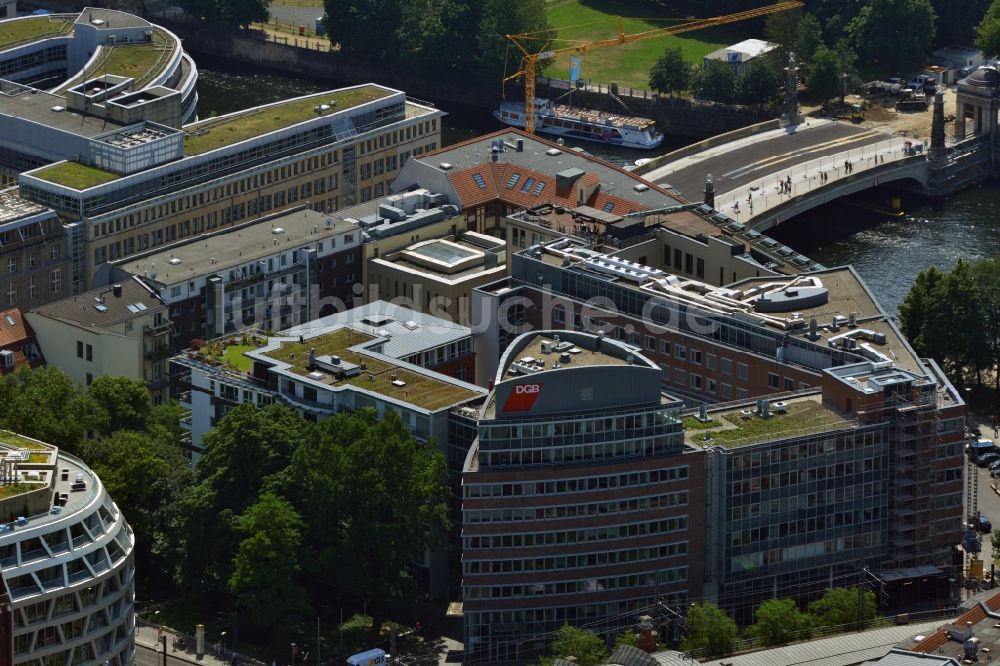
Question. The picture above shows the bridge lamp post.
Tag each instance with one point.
(843, 87)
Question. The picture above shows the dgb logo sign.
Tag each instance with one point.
(522, 398)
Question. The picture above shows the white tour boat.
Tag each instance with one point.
(584, 124)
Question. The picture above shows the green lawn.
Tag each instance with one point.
(219, 132)
(234, 356)
(21, 442)
(76, 175)
(628, 65)
(29, 28)
(16, 489)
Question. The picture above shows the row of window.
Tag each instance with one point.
(31, 257)
(574, 485)
(746, 537)
(673, 575)
(578, 426)
(669, 500)
(674, 524)
(55, 286)
(803, 450)
(574, 454)
(560, 562)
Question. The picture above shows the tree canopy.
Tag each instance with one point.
(432, 35)
(839, 607)
(237, 13)
(716, 81)
(586, 646)
(779, 621)
(710, 631)
(671, 73)
(954, 317)
(988, 32)
(911, 24)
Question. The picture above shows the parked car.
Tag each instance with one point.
(981, 447)
(924, 82)
(995, 467)
(988, 459)
(981, 524)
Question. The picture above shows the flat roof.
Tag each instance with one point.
(13, 207)
(215, 252)
(421, 388)
(26, 29)
(38, 106)
(409, 331)
(214, 133)
(847, 293)
(77, 175)
(110, 19)
(732, 428)
(540, 349)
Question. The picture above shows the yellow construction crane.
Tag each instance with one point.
(529, 59)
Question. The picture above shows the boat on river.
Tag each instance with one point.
(584, 124)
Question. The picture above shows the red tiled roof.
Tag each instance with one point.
(14, 337)
(547, 144)
(974, 615)
(497, 175)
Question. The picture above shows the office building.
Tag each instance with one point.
(437, 275)
(329, 150)
(581, 503)
(67, 558)
(121, 330)
(36, 266)
(839, 478)
(269, 274)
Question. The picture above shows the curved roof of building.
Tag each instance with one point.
(984, 77)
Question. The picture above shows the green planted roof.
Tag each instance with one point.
(731, 429)
(31, 28)
(76, 175)
(216, 133)
(421, 389)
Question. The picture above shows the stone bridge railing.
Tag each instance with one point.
(818, 179)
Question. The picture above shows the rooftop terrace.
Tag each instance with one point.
(140, 61)
(214, 133)
(377, 375)
(23, 30)
(742, 427)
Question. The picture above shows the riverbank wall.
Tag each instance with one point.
(674, 116)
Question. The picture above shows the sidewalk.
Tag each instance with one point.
(771, 191)
(148, 637)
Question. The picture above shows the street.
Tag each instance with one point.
(147, 656)
(988, 500)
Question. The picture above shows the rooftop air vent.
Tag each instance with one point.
(552, 152)
(58, 109)
(174, 261)
(277, 231)
(445, 166)
(640, 187)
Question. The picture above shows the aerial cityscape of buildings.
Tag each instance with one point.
(642, 401)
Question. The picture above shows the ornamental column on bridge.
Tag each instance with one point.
(791, 115)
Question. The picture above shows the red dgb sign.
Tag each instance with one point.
(522, 398)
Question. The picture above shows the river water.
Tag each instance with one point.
(887, 252)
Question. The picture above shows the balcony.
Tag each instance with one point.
(158, 354)
(156, 329)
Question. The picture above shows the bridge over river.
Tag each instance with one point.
(766, 174)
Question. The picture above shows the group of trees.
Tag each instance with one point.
(280, 517)
(828, 39)
(438, 38)
(711, 633)
(988, 33)
(954, 318)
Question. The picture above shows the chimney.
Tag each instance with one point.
(520, 145)
(116, 290)
(646, 635)
(813, 334)
(312, 357)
